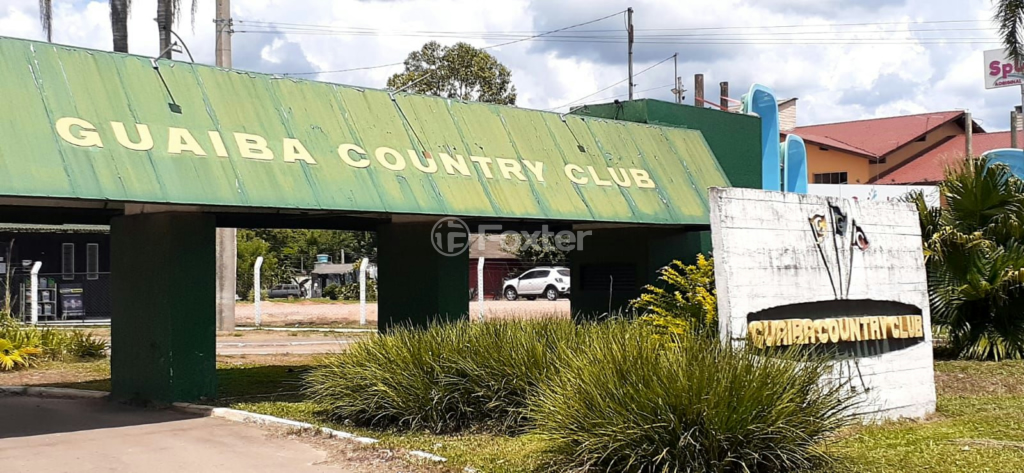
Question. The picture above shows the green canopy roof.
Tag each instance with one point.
(83, 124)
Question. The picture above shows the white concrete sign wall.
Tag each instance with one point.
(826, 265)
(874, 192)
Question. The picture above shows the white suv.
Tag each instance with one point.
(549, 282)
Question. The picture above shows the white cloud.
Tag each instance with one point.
(834, 81)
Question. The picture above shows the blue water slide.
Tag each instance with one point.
(1013, 158)
(761, 101)
(794, 156)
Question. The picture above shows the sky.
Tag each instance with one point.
(843, 60)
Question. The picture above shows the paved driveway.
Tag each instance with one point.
(58, 435)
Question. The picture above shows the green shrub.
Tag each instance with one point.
(975, 260)
(49, 343)
(686, 301)
(331, 291)
(631, 401)
(449, 377)
(12, 357)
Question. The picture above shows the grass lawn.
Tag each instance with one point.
(979, 425)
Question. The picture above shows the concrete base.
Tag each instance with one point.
(164, 312)
(615, 264)
(416, 285)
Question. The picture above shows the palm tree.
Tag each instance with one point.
(46, 18)
(118, 21)
(975, 260)
(1010, 19)
(166, 12)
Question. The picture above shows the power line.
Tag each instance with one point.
(485, 47)
(610, 86)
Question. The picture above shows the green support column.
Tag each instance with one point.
(163, 325)
(615, 264)
(416, 285)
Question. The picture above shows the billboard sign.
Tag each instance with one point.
(1000, 70)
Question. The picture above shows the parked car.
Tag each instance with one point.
(549, 282)
(284, 291)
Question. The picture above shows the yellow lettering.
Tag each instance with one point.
(755, 330)
(145, 142)
(624, 180)
(821, 330)
(458, 163)
(295, 151)
(179, 139)
(918, 326)
(509, 168)
(642, 179)
(797, 327)
(431, 165)
(597, 180)
(875, 330)
(218, 144)
(87, 135)
(571, 170)
(345, 151)
(781, 334)
(845, 330)
(833, 330)
(536, 168)
(253, 147)
(484, 164)
(382, 158)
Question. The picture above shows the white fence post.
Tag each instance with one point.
(362, 290)
(480, 286)
(256, 293)
(34, 287)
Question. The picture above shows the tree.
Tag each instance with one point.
(545, 249)
(46, 18)
(975, 260)
(1010, 18)
(167, 12)
(457, 72)
(118, 21)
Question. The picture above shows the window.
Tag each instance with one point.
(830, 178)
(92, 261)
(563, 272)
(539, 274)
(67, 262)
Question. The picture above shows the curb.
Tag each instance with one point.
(65, 393)
(250, 328)
(226, 413)
(236, 415)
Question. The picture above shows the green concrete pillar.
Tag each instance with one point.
(614, 264)
(416, 285)
(163, 325)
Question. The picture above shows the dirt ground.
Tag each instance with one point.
(308, 313)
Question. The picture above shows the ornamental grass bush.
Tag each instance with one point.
(35, 344)
(632, 401)
(449, 377)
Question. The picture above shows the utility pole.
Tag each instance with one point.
(675, 75)
(723, 95)
(629, 22)
(698, 90)
(227, 243)
(1013, 129)
(968, 135)
(224, 31)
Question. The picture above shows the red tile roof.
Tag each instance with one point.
(930, 166)
(876, 137)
